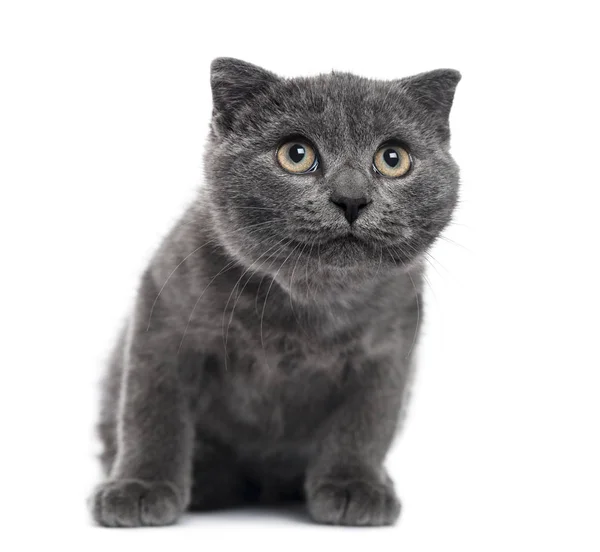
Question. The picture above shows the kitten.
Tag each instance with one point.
(269, 351)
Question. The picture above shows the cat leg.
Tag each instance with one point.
(150, 479)
(110, 391)
(346, 483)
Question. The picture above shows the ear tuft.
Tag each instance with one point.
(235, 82)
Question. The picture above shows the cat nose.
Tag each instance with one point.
(350, 192)
(351, 206)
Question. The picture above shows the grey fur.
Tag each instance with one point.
(269, 351)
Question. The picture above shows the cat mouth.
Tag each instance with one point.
(349, 243)
(347, 238)
(332, 244)
(358, 239)
(346, 241)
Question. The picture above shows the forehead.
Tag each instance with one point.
(339, 112)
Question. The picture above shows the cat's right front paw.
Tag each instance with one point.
(136, 503)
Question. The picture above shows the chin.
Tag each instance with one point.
(358, 256)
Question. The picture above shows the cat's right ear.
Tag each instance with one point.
(234, 83)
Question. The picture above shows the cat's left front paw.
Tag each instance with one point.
(361, 501)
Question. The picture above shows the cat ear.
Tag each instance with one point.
(234, 83)
(434, 92)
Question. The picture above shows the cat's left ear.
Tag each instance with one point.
(434, 92)
(234, 83)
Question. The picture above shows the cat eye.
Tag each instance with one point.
(298, 157)
(392, 161)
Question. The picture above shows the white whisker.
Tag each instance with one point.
(226, 333)
(224, 269)
(253, 226)
(262, 341)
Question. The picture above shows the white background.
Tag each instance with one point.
(104, 112)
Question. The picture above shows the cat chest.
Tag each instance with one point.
(273, 398)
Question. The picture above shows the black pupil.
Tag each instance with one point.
(391, 157)
(297, 153)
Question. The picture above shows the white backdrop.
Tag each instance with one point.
(104, 112)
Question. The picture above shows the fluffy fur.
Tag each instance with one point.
(268, 355)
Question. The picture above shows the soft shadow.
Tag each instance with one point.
(286, 512)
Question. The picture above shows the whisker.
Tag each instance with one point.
(308, 283)
(291, 290)
(227, 267)
(430, 256)
(226, 333)
(319, 269)
(262, 341)
(443, 221)
(257, 209)
(418, 316)
(425, 254)
(253, 226)
(426, 279)
(380, 261)
(449, 240)
(274, 255)
(418, 305)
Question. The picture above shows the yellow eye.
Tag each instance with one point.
(297, 157)
(391, 160)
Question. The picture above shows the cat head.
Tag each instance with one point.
(333, 174)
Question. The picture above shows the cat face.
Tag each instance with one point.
(334, 172)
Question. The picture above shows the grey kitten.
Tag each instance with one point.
(268, 354)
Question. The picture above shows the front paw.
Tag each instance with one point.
(360, 500)
(135, 503)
